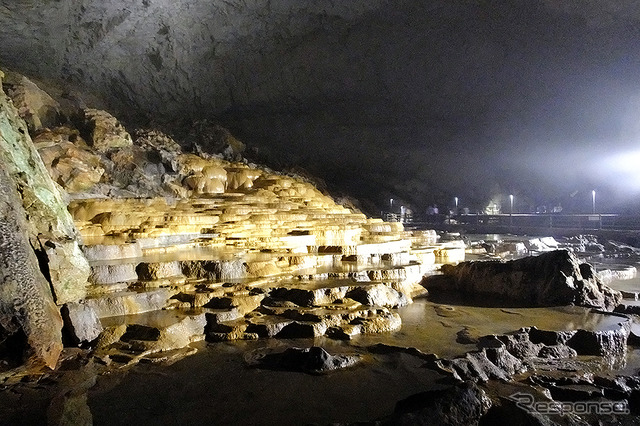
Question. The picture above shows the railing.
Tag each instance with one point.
(520, 220)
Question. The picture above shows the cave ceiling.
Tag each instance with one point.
(416, 100)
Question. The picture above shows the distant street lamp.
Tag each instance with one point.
(390, 203)
(511, 209)
(456, 200)
(593, 201)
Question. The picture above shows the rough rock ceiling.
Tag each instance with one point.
(414, 100)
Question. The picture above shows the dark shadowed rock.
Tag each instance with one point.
(518, 344)
(463, 404)
(313, 360)
(628, 308)
(508, 412)
(557, 351)
(608, 343)
(550, 279)
(477, 365)
(549, 337)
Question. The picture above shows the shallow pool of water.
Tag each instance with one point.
(433, 327)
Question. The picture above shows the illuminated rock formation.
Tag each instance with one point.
(226, 249)
(27, 304)
(550, 279)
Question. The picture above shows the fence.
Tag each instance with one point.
(583, 222)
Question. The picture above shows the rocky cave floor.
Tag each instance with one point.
(488, 361)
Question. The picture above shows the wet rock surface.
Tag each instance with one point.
(314, 360)
(550, 279)
(463, 404)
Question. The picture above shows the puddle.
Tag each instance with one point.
(433, 328)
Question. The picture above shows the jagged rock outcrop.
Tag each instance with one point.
(33, 219)
(502, 356)
(26, 302)
(38, 109)
(67, 159)
(104, 131)
(550, 279)
(50, 226)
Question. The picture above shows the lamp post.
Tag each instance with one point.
(593, 201)
(391, 204)
(456, 201)
(511, 209)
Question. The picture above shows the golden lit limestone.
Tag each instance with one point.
(69, 162)
(211, 179)
(241, 178)
(259, 254)
(106, 132)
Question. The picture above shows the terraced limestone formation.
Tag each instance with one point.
(278, 259)
(184, 247)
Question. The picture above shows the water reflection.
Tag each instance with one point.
(433, 327)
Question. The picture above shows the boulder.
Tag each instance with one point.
(34, 105)
(164, 331)
(156, 270)
(608, 343)
(104, 131)
(557, 351)
(550, 279)
(482, 365)
(67, 158)
(313, 360)
(518, 344)
(68, 270)
(513, 410)
(82, 324)
(378, 295)
(463, 404)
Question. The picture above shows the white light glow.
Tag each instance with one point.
(622, 170)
